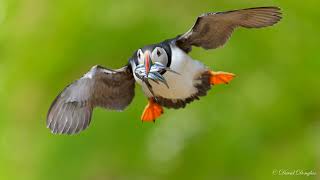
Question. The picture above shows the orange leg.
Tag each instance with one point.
(151, 111)
(220, 77)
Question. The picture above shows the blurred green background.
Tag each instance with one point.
(266, 120)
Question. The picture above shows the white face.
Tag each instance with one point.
(157, 55)
(140, 56)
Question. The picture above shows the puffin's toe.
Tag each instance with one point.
(152, 111)
(220, 77)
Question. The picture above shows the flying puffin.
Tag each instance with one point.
(168, 75)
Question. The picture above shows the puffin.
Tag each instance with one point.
(169, 77)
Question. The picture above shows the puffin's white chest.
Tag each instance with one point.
(181, 85)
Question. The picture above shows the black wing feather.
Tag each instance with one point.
(71, 111)
(212, 30)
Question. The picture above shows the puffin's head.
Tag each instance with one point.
(152, 63)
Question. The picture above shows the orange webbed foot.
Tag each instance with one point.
(152, 111)
(220, 77)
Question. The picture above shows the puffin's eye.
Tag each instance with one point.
(158, 53)
(139, 53)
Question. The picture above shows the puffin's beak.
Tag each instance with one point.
(147, 62)
(151, 71)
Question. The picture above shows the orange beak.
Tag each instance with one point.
(147, 62)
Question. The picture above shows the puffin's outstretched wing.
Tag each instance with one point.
(71, 111)
(212, 30)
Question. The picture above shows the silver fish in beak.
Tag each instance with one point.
(152, 71)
